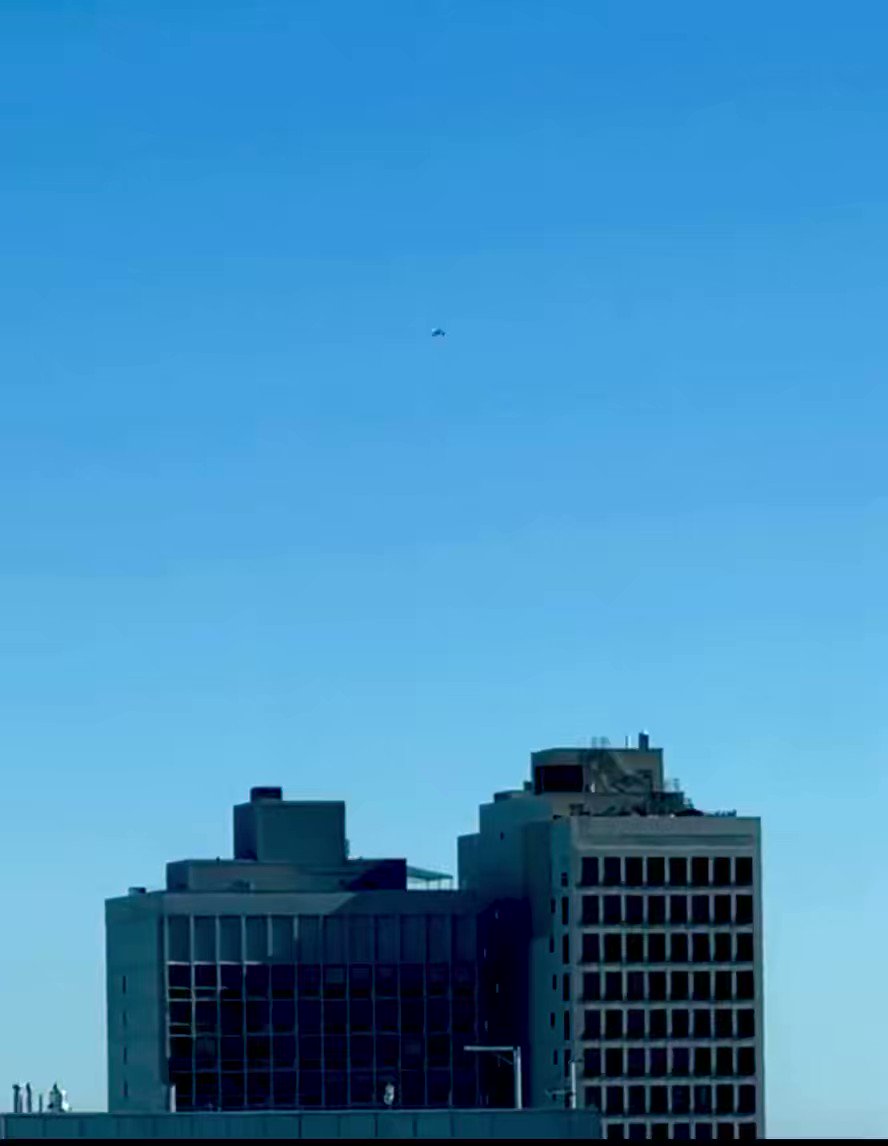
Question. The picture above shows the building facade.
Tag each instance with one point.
(291, 976)
(642, 944)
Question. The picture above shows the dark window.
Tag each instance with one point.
(634, 947)
(657, 1057)
(700, 908)
(565, 910)
(656, 947)
(722, 953)
(702, 1099)
(636, 1099)
(746, 1100)
(700, 871)
(591, 947)
(593, 1097)
(724, 1026)
(678, 947)
(657, 1020)
(438, 1012)
(613, 952)
(591, 986)
(681, 1099)
(613, 1062)
(592, 1021)
(612, 909)
(656, 909)
(722, 986)
(659, 1100)
(702, 1023)
(566, 1020)
(613, 1024)
(745, 1061)
(615, 1132)
(565, 986)
(700, 947)
(589, 876)
(743, 871)
(724, 1099)
(678, 909)
(721, 871)
(746, 1131)
(334, 982)
(565, 948)
(746, 1023)
(386, 981)
(745, 953)
(724, 1061)
(722, 913)
(702, 1062)
(635, 1024)
(657, 986)
(703, 1132)
(612, 873)
(614, 1100)
(678, 871)
(613, 986)
(564, 880)
(636, 1131)
(591, 909)
(634, 871)
(386, 1014)
(679, 985)
(634, 909)
(413, 980)
(681, 1062)
(681, 1027)
(635, 986)
(656, 871)
(591, 1063)
(744, 909)
(635, 1063)
(361, 1013)
(681, 1131)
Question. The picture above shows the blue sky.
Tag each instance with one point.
(257, 527)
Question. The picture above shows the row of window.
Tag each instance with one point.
(310, 1017)
(703, 1099)
(680, 1131)
(638, 910)
(615, 1023)
(319, 939)
(281, 981)
(310, 1052)
(642, 1062)
(287, 1089)
(660, 871)
(662, 947)
(637, 986)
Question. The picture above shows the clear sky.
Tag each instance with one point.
(256, 526)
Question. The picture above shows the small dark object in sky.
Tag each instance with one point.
(438, 332)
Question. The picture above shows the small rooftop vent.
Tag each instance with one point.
(266, 794)
(137, 891)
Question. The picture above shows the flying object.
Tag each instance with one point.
(438, 332)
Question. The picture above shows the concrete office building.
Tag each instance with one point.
(291, 976)
(640, 957)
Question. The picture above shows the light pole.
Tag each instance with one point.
(515, 1060)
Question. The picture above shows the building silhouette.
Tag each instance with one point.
(640, 943)
(602, 924)
(291, 975)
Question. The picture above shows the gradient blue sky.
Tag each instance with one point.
(257, 527)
